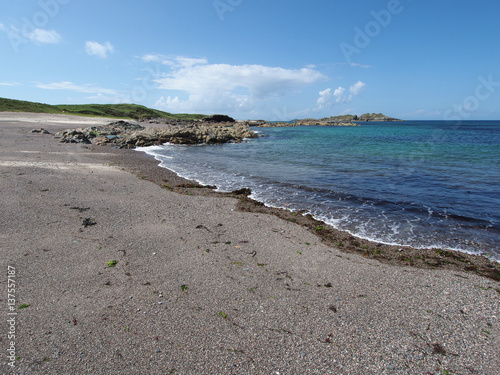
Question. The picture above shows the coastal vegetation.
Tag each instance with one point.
(142, 113)
(124, 111)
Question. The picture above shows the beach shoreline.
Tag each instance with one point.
(124, 267)
(388, 253)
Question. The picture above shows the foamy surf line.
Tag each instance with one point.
(152, 151)
(261, 197)
(374, 238)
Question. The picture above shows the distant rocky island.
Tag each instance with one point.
(363, 118)
(304, 122)
(342, 120)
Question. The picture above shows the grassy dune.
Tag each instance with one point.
(131, 111)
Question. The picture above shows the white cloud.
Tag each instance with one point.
(99, 50)
(261, 81)
(70, 86)
(42, 36)
(176, 62)
(223, 87)
(340, 95)
(327, 98)
(156, 58)
(357, 88)
(324, 97)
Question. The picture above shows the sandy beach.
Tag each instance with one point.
(118, 274)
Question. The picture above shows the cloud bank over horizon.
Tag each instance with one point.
(195, 85)
(182, 84)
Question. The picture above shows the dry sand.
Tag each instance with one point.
(202, 288)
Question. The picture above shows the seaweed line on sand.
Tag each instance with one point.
(146, 167)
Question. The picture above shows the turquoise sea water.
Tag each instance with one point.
(424, 184)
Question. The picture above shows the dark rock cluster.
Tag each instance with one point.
(219, 119)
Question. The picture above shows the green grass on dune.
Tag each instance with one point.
(10, 105)
(128, 111)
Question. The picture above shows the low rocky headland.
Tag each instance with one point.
(124, 134)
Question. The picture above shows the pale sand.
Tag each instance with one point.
(261, 295)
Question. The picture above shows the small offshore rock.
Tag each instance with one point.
(41, 131)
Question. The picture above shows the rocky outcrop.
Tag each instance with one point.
(74, 136)
(99, 134)
(365, 117)
(306, 122)
(197, 133)
(130, 135)
(376, 117)
(219, 118)
(40, 131)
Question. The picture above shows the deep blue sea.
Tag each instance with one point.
(418, 183)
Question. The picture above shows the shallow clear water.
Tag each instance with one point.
(424, 184)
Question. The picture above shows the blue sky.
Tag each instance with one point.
(251, 59)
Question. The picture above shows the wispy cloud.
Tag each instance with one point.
(420, 114)
(37, 36)
(354, 65)
(360, 65)
(10, 84)
(98, 49)
(42, 36)
(176, 61)
(224, 87)
(70, 86)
